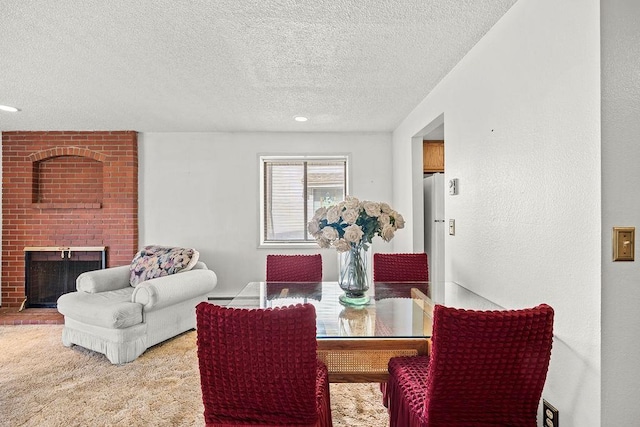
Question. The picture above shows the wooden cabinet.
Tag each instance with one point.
(433, 156)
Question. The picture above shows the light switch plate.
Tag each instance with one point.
(452, 227)
(624, 243)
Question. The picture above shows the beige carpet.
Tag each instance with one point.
(43, 383)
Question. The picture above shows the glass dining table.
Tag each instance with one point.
(355, 342)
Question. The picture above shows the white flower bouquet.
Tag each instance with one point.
(349, 227)
(353, 223)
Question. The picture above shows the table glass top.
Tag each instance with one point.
(395, 310)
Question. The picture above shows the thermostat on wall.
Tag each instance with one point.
(453, 186)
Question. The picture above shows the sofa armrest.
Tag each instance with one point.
(168, 290)
(200, 265)
(108, 279)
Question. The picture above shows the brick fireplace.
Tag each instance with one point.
(66, 189)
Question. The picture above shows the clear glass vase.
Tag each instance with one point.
(353, 274)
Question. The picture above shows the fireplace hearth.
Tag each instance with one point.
(52, 271)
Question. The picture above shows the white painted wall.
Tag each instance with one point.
(522, 135)
(202, 190)
(620, 20)
(1, 216)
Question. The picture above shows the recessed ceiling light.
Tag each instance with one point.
(300, 119)
(8, 108)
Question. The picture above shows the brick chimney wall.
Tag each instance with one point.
(67, 189)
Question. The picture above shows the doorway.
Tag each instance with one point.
(433, 190)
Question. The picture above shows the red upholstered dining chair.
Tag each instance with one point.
(485, 368)
(259, 367)
(399, 268)
(294, 268)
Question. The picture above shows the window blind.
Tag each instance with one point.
(294, 189)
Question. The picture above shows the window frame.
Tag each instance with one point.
(262, 159)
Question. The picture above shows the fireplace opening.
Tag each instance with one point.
(52, 271)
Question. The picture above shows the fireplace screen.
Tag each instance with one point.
(52, 271)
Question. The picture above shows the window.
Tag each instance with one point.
(293, 187)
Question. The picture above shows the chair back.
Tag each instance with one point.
(488, 367)
(257, 366)
(294, 268)
(400, 267)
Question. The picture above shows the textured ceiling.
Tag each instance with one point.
(229, 65)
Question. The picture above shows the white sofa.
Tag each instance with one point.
(110, 316)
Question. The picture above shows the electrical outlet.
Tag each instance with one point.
(549, 415)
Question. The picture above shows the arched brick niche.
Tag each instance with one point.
(66, 189)
(67, 177)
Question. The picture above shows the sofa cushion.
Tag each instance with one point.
(156, 261)
(111, 309)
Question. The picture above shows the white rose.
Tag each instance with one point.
(329, 233)
(350, 216)
(399, 221)
(385, 208)
(333, 215)
(384, 219)
(323, 243)
(341, 245)
(387, 232)
(313, 227)
(351, 202)
(320, 213)
(353, 233)
(371, 208)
